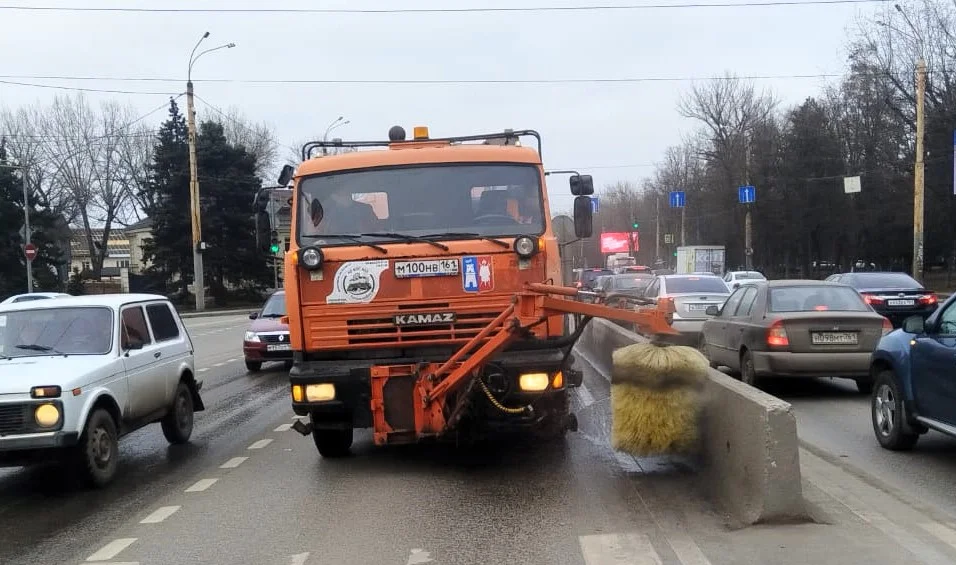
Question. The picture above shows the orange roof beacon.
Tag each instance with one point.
(417, 282)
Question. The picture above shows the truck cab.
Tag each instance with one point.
(400, 253)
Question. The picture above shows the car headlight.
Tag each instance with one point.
(525, 246)
(47, 415)
(251, 336)
(311, 258)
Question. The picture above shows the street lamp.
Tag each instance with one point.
(199, 284)
(918, 169)
(26, 222)
(337, 122)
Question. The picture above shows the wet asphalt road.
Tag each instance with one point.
(44, 518)
(833, 416)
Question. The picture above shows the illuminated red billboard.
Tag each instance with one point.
(616, 242)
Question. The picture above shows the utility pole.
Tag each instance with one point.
(918, 179)
(26, 225)
(199, 283)
(657, 222)
(683, 240)
(748, 220)
(275, 226)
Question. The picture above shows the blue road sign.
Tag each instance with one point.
(747, 194)
(677, 199)
(594, 204)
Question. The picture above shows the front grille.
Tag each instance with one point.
(14, 418)
(382, 330)
(274, 338)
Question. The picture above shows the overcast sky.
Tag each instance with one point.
(614, 131)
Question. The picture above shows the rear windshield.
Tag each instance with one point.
(882, 280)
(683, 285)
(629, 282)
(750, 276)
(815, 298)
(589, 276)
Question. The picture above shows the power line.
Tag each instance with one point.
(369, 11)
(544, 81)
(81, 89)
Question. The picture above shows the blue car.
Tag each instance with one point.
(914, 371)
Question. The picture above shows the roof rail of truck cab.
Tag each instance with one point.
(506, 137)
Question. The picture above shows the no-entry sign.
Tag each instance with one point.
(30, 251)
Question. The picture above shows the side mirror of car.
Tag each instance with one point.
(914, 325)
(712, 310)
(736, 285)
(253, 315)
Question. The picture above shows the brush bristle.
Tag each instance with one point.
(650, 422)
(659, 367)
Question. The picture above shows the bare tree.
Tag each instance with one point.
(258, 138)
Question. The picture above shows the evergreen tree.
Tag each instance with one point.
(44, 232)
(170, 249)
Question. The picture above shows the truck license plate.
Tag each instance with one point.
(437, 268)
(834, 338)
(279, 347)
(896, 302)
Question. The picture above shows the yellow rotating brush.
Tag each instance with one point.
(656, 393)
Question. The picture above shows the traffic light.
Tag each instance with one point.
(274, 248)
(635, 225)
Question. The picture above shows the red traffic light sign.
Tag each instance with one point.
(30, 251)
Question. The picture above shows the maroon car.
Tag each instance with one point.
(267, 338)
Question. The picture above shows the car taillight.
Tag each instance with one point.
(928, 300)
(887, 326)
(870, 299)
(777, 335)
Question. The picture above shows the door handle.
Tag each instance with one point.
(157, 354)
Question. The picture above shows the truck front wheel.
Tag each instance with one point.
(332, 443)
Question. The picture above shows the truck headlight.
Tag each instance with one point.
(533, 382)
(320, 393)
(525, 246)
(47, 415)
(311, 258)
(251, 336)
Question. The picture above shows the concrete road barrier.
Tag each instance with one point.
(208, 313)
(748, 452)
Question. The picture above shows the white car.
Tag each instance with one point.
(734, 279)
(32, 296)
(691, 295)
(78, 373)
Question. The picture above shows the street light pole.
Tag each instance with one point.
(918, 178)
(335, 123)
(199, 283)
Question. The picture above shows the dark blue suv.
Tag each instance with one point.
(914, 370)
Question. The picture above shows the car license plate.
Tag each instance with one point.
(437, 268)
(897, 302)
(279, 347)
(834, 338)
(697, 307)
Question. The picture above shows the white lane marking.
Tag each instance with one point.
(299, 558)
(628, 463)
(202, 485)
(218, 364)
(283, 428)
(260, 444)
(942, 532)
(618, 549)
(585, 396)
(233, 463)
(230, 360)
(419, 556)
(111, 550)
(160, 514)
(204, 370)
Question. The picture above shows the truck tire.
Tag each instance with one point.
(97, 454)
(332, 443)
(555, 425)
(178, 423)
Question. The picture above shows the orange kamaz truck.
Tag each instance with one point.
(419, 286)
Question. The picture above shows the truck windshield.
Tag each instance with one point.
(431, 201)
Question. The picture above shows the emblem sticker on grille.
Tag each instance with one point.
(424, 319)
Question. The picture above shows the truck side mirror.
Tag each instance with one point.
(582, 185)
(583, 217)
(263, 232)
(285, 176)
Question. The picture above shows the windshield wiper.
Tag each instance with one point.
(38, 347)
(352, 238)
(465, 235)
(408, 238)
